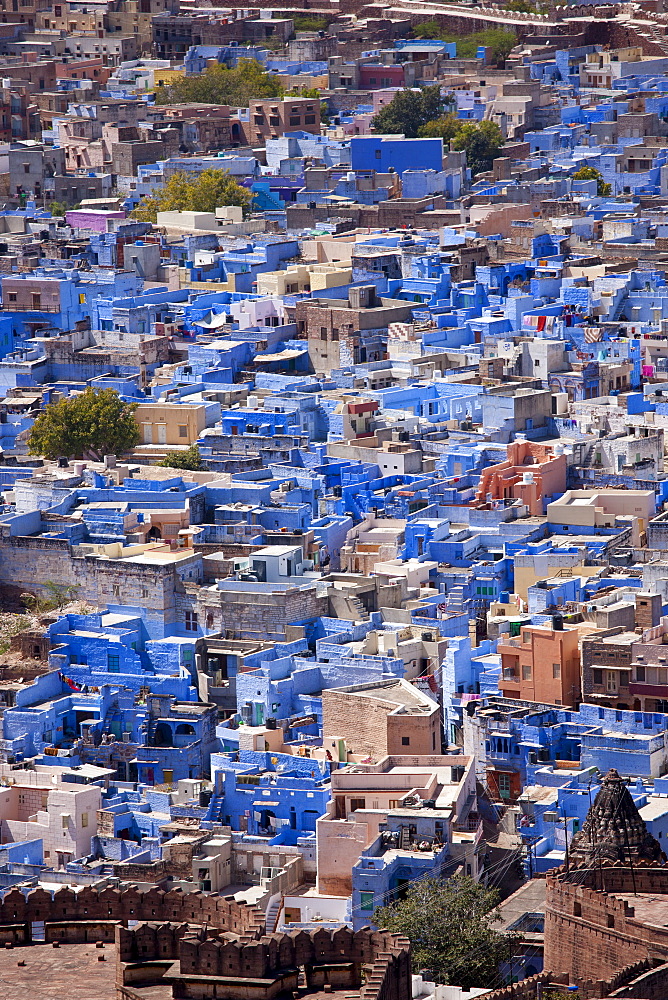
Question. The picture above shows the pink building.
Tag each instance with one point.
(532, 474)
(96, 221)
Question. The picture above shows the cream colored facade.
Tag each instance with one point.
(303, 278)
(167, 424)
(603, 508)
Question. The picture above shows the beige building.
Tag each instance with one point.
(371, 541)
(605, 508)
(169, 425)
(303, 278)
(63, 816)
(385, 717)
(365, 795)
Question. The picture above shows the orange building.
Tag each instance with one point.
(542, 665)
(532, 474)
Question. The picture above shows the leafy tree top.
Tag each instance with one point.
(482, 141)
(408, 111)
(450, 925)
(89, 425)
(188, 459)
(187, 192)
(246, 82)
(592, 174)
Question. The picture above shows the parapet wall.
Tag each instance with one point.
(119, 906)
(208, 952)
(592, 934)
(213, 942)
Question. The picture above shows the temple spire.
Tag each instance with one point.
(614, 829)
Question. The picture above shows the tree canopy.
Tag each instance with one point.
(246, 82)
(497, 39)
(307, 22)
(482, 141)
(603, 189)
(409, 111)
(90, 425)
(188, 459)
(450, 927)
(188, 192)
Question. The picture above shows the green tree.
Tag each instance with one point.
(188, 459)
(408, 111)
(57, 208)
(89, 425)
(450, 927)
(500, 41)
(522, 6)
(246, 82)
(603, 189)
(428, 29)
(302, 22)
(186, 192)
(482, 141)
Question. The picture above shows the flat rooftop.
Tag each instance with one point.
(650, 908)
(396, 694)
(71, 972)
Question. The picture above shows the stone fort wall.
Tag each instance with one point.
(590, 933)
(208, 943)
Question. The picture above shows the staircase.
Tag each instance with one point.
(456, 602)
(214, 814)
(150, 732)
(361, 613)
(273, 911)
(658, 37)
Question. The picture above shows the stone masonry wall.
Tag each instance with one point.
(590, 932)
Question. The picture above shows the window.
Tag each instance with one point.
(113, 663)
(357, 804)
(183, 431)
(116, 590)
(12, 296)
(191, 621)
(598, 676)
(309, 120)
(26, 168)
(556, 670)
(84, 819)
(640, 673)
(366, 901)
(295, 120)
(503, 782)
(144, 592)
(526, 672)
(405, 741)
